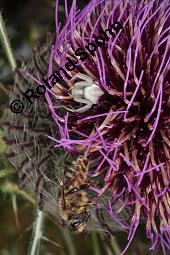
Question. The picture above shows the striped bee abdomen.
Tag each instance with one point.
(80, 169)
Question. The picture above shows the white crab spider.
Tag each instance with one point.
(87, 92)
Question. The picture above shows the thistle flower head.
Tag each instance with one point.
(126, 131)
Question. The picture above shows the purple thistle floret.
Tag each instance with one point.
(127, 132)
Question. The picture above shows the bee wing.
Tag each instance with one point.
(104, 220)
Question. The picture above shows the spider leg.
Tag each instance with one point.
(82, 84)
(68, 109)
(81, 100)
(81, 109)
(84, 101)
(84, 108)
(83, 77)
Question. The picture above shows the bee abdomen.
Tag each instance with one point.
(80, 169)
(76, 174)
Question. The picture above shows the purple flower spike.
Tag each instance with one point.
(116, 101)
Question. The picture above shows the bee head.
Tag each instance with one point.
(78, 223)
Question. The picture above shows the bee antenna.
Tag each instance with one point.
(61, 178)
(62, 189)
(58, 180)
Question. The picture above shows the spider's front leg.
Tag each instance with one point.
(87, 80)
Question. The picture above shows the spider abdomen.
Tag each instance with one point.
(93, 93)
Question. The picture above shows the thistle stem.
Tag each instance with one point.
(6, 44)
(68, 241)
(115, 246)
(95, 244)
(37, 234)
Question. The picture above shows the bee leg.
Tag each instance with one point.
(83, 205)
(72, 190)
(83, 186)
(86, 185)
(89, 202)
(75, 205)
(62, 190)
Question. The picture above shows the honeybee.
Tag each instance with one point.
(73, 202)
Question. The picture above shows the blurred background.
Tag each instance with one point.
(26, 22)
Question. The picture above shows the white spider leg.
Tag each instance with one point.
(81, 100)
(83, 108)
(83, 77)
(68, 109)
(82, 84)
